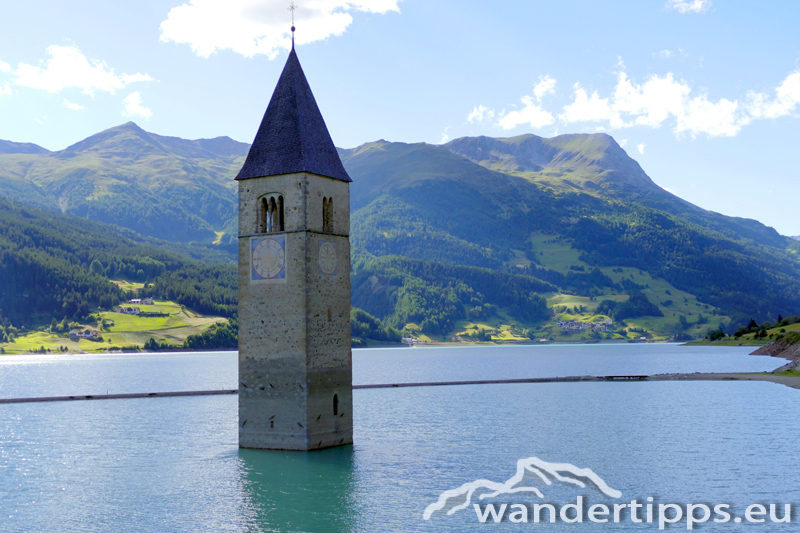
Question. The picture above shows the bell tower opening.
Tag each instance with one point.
(327, 215)
(270, 214)
(279, 214)
(263, 216)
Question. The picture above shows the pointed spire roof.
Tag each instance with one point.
(293, 136)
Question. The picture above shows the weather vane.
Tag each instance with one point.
(292, 7)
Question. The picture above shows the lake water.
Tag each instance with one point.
(64, 375)
(172, 464)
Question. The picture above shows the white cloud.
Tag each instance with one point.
(787, 97)
(546, 85)
(669, 54)
(133, 106)
(658, 101)
(719, 119)
(650, 103)
(68, 67)
(5, 89)
(445, 136)
(585, 108)
(480, 114)
(623, 142)
(127, 79)
(4, 67)
(70, 105)
(661, 99)
(251, 27)
(641, 147)
(689, 6)
(531, 113)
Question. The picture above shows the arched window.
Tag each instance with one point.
(280, 214)
(273, 215)
(324, 214)
(330, 215)
(263, 216)
(335, 404)
(270, 214)
(327, 215)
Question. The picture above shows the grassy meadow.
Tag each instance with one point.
(121, 331)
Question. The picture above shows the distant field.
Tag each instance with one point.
(570, 300)
(124, 331)
(37, 340)
(127, 285)
(555, 254)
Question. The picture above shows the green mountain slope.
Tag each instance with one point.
(595, 164)
(52, 266)
(573, 219)
(163, 187)
(435, 296)
(417, 201)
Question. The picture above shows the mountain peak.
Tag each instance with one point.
(129, 125)
(134, 139)
(130, 140)
(587, 162)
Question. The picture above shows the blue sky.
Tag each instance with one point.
(705, 94)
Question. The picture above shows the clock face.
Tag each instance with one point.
(269, 258)
(327, 258)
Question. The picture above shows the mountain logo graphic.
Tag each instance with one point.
(529, 470)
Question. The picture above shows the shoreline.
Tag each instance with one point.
(780, 376)
(792, 381)
(401, 345)
(398, 345)
(787, 380)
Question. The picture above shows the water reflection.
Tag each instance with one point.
(301, 492)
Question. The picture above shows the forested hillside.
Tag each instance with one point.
(435, 295)
(55, 266)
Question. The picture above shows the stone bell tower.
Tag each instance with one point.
(295, 362)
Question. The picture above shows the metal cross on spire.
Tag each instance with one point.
(292, 7)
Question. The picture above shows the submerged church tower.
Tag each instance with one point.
(295, 361)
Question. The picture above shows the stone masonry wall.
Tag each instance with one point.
(294, 335)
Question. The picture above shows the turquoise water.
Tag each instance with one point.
(172, 464)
